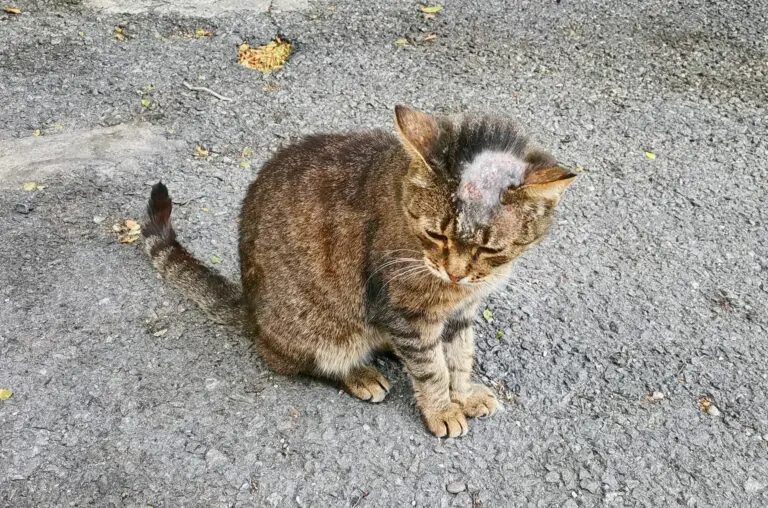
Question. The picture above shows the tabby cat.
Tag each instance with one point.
(355, 243)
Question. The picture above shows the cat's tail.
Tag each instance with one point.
(214, 293)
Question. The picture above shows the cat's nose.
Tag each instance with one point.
(454, 278)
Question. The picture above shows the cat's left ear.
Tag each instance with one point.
(547, 183)
(418, 130)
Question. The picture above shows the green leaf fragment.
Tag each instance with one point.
(216, 260)
(488, 315)
(5, 394)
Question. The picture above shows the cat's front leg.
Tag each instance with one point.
(458, 338)
(424, 359)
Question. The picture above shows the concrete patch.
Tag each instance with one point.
(194, 7)
(102, 149)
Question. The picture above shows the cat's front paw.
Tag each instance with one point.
(479, 402)
(449, 422)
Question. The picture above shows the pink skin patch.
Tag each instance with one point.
(482, 183)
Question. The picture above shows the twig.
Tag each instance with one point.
(204, 89)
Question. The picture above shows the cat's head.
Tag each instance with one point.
(476, 194)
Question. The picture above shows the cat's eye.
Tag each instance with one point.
(436, 236)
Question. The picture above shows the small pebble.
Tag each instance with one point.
(22, 208)
(657, 396)
(98, 219)
(456, 487)
(713, 411)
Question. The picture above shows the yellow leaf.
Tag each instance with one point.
(431, 9)
(205, 210)
(5, 394)
(266, 59)
(650, 156)
(579, 169)
(200, 152)
(11, 10)
(216, 260)
(200, 32)
(488, 315)
(145, 103)
(128, 231)
(402, 42)
(118, 34)
(81, 34)
(32, 186)
(245, 164)
(36, 132)
(247, 152)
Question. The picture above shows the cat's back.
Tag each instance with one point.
(329, 158)
(322, 178)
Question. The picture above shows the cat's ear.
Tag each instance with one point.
(547, 183)
(418, 130)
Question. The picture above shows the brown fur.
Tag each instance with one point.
(354, 243)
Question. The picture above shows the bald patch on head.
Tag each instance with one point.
(483, 181)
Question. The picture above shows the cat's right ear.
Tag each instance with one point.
(418, 130)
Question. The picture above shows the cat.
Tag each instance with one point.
(356, 243)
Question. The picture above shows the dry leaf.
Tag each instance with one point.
(431, 9)
(271, 87)
(216, 260)
(579, 169)
(11, 10)
(650, 156)
(268, 58)
(488, 315)
(32, 186)
(430, 37)
(402, 42)
(201, 32)
(200, 152)
(36, 132)
(205, 210)
(128, 231)
(247, 152)
(118, 34)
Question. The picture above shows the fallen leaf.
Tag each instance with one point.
(206, 210)
(579, 169)
(431, 9)
(201, 32)
(128, 231)
(32, 186)
(245, 164)
(81, 34)
(499, 334)
(650, 156)
(247, 152)
(266, 59)
(430, 37)
(488, 315)
(402, 42)
(216, 260)
(5, 394)
(36, 132)
(118, 34)
(145, 103)
(707, 405)
(11, 10)
(200, 152)
(271, 87)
